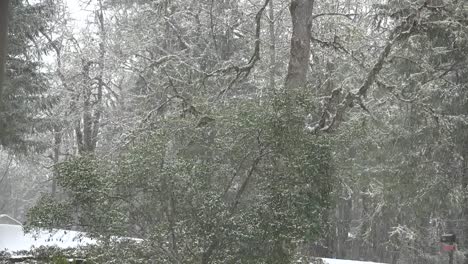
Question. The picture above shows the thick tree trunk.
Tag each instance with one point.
(301, 14)
(3, 40)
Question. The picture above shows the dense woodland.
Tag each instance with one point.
(239, 131)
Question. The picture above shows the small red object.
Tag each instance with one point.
(448, 248)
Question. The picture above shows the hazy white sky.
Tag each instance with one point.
(79, 16)
(77, 12)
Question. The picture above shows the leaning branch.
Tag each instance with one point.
(399, 33)
(349, 16)
(355, 98)
(337, 46)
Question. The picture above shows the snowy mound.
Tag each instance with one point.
(13, 238)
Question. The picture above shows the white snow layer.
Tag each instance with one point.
(13, 238)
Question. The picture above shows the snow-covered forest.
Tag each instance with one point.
(238, 131)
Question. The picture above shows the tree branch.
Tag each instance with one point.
(351, 98)
(242, 72)
(333, 14)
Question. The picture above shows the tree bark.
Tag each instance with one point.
(301, 14)
(3, 40)
(271, 18)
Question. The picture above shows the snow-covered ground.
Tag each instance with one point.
(13, 238)
(344, 261)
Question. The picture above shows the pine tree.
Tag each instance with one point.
(24, 89)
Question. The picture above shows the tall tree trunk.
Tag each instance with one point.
(56, 156)
(92, 109)
(271, 18)
(102, 54)
(464, 239)
(301, 14)
(343, 211)
(87, 121)
(3, 40)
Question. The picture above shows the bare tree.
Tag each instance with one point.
(87, 129)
